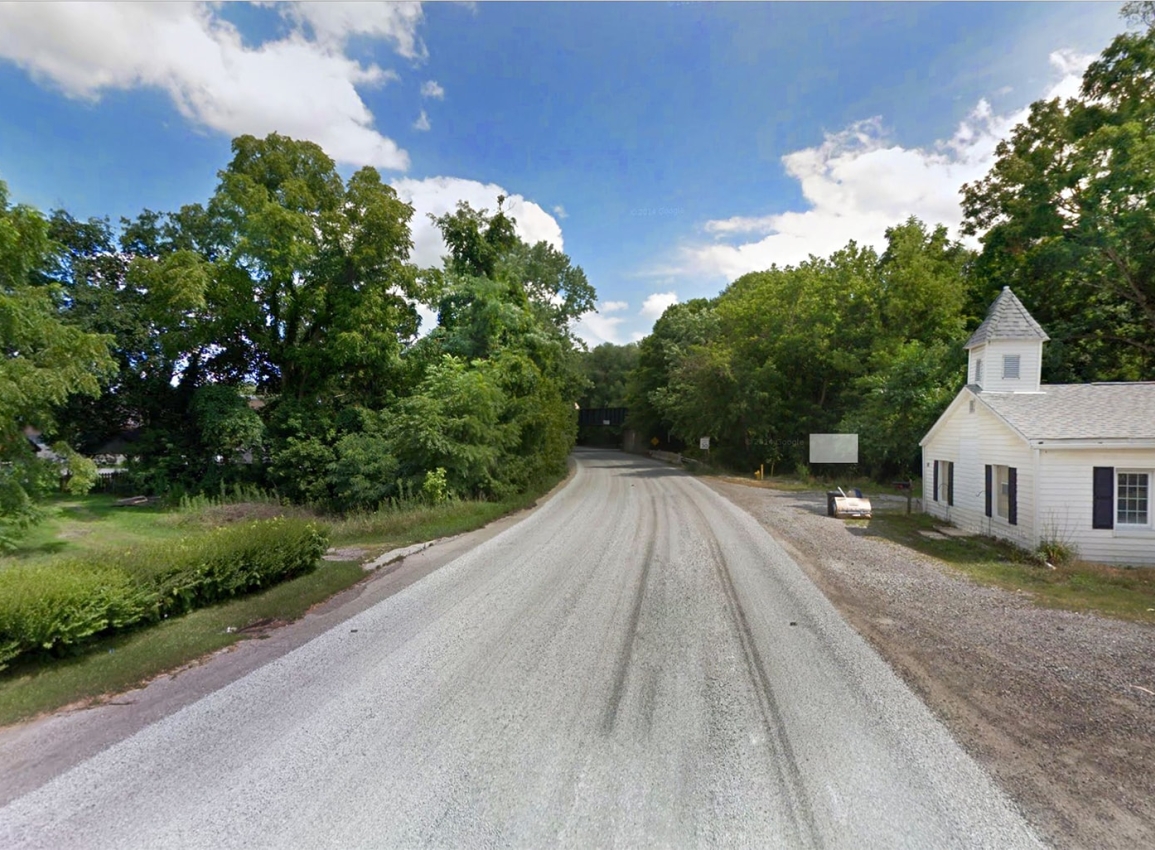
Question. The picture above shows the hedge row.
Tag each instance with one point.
(54, 605)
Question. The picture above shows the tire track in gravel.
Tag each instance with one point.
(626, 653)
(786, 765)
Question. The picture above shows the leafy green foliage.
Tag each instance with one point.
(64, 604)
(45, 362)
(453, 422)
(364, 471)
(853, 342)
(494, 404)
(227, 424)
(267, 338)
(607, 369)
(435, 490)
(314, 271)
(56, 605)
(902, 400)
(1068, 218)
(681, 328)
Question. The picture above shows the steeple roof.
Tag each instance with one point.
(1007, 318)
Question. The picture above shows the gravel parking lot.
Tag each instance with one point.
(1057, 705)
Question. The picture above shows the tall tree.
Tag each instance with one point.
(1067, 217)
(148, 294)
(45, 361)
(607, 368)
(916, 361)
(854, 341)
(315, 272)
(505, 310)
(680, 329)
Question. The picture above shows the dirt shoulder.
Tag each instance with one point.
(1056, 705)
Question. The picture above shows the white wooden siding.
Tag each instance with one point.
(976, 354)
(1030, 365)
(1066, 501)
(973, 440)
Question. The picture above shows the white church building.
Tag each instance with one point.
(1025, 461)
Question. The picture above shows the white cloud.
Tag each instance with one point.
(656, 304)
(430, 88)
(439, 195)
(422, 122)
(859, 182)
(302, 85)
(742, 224)
(560, 212)
(333, 23)
(595, 329)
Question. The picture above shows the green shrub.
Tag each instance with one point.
(225, 562)
(1060, 553)
(435, 490)
(1055, 546)
(53, 605)
(364, 473)
(57, 604)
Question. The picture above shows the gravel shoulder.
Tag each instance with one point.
(1055, 705)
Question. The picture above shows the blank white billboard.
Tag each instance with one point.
(834, 448)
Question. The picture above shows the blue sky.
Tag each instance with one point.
(668, 147)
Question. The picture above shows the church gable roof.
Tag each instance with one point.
(1007, 318)
(1123, 411)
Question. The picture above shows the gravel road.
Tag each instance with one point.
(1057, 705)
(637, 663)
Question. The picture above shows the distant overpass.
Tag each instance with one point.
(602, 416)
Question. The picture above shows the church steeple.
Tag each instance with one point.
(1005, 353)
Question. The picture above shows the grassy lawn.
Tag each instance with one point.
(120, 662)
(1126, 593)
(78, 524)
(85, 524)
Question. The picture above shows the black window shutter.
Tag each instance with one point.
(1103, 505)
(936, 480)
(1012, 495)
(950, 482)
(988, 488)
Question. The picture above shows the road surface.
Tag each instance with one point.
(636, 664)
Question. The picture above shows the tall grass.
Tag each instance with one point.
(414, 517)
(236, 494)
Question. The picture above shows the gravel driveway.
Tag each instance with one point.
(1051, 702)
